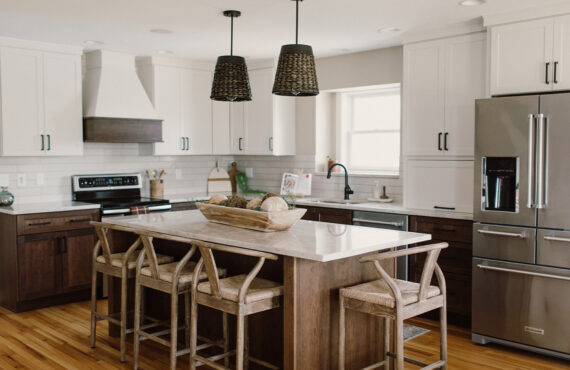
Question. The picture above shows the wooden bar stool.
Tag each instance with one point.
(120, 265)
(240, 295)
(173, 278)
(398, 300)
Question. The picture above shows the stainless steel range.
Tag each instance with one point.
(521, 236)
(116, 193)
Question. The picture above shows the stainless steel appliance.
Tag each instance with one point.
(391, 221)
(116, 193)
(521, 235)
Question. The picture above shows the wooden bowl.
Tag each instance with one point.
(249, 219)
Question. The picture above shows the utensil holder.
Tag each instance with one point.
(156, 188)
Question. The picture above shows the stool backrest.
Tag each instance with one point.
(208, 261)
(102, 230)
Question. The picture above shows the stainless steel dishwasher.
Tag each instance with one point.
(391, 221)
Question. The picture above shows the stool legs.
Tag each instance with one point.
(194, 330)
(187, 318)
(136, 335)
(173, 329)
(443, 334)
(399, 341)
(226, 332)
(123, 313)
(386, 343)
(93, 306)
(240, 340)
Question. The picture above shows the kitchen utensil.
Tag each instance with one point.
(219, 181)
(162, 173)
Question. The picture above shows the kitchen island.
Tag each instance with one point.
(316, 259)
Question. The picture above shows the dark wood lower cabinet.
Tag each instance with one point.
(455, 262)
(324, 214)
(45, 259)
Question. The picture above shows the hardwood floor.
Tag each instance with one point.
(58, 338)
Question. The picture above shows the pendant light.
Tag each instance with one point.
(231, 81)
(296, 74)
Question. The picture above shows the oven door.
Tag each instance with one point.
(522, 303)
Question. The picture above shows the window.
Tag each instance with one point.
(369, 137)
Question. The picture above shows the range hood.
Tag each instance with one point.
(116, 107)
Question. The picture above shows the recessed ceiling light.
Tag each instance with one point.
(162, 31)
(93, 42)
(389, 29)
(471, 2)
(165, 52)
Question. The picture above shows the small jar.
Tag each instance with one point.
(6, 198)
(377, 190)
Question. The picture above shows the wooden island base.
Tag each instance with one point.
(303, 333)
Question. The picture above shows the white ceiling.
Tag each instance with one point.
(200, 31)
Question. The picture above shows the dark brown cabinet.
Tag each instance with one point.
(455, 262)
(324, 214)
(45, 258)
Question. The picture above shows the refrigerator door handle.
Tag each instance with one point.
(531, 201)
(557, 239)
(541, 162)
(522, 272)
(502, 233)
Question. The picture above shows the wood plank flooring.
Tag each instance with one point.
(58, 338)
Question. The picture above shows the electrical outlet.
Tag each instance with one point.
(178, 174)
(22, 179)
(249, 172)
(40, 179)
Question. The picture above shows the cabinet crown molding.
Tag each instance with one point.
(40, 46)
(526, 15)
(459, 29)
(168, 61)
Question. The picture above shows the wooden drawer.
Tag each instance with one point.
(443, 229)
(57, 221)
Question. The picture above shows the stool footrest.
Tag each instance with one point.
(425, 365)
(263, 363)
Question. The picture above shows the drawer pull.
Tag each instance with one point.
(79, 220)
(40, 223)
(387, 223)
(446, 208)
(501, 233)
(521, 272)
(557, 239)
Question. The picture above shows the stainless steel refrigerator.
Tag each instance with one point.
(521, 234)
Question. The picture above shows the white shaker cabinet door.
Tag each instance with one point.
(439, 185)
(423, 102)
(22, 102)
(259, 112)
(167, 102)
(464, 82)
(561, 54)
(238, 141)
(221, 127)
(62, 104)
(521, 57)
(197, 110)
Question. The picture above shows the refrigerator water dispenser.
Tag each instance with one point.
(500, 184)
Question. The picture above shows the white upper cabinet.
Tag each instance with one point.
(263, 126)
(442, 79)
(40, 96)
(180, 95)
(530, 56)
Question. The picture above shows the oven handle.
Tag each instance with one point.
(502, 233)
(557, 239)
(115, 211)
(386, 223)
(538, 274)
(162, 207)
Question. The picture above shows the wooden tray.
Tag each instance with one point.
(248, 219)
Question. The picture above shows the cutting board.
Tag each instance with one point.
(219, 181)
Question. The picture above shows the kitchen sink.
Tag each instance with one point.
(339, 201)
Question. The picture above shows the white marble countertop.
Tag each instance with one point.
(28, 208)
(318, 241)
(365, 205)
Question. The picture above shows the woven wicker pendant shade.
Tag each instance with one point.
(231, 80)
(296, 74)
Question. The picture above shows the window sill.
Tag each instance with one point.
(383, 174)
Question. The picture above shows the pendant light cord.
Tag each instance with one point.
(232, 37)
(297, 22)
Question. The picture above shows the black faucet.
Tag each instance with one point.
(347, 189)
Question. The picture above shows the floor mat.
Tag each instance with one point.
(411, 331)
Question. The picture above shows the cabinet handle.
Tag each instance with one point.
(445, 141)
(43, 146)
(79, 220)
(557, 239)
(555, 72)
(522, 272)
(49, 142)
(187, 143)
(502, 233)
(40, 223)
(183, 143)
(439, 141)
(271, 143)
(447, 208)
(546, 74)
(239, 143)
